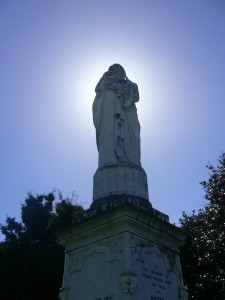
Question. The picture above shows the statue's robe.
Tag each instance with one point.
(116, 121)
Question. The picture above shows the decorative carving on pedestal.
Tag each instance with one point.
(112, 251)
(128, 282)
(75, 261)
(139, 250)
(160, 261)
(174, 267)
(170, 259)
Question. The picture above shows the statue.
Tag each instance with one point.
(115, 118)
(118, 138)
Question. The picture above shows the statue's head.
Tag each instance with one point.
(117, 69)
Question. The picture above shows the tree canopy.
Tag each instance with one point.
(31, 260)
(203, 255)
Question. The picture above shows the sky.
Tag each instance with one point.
(52, 55)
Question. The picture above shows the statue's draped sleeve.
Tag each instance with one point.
(97, 106)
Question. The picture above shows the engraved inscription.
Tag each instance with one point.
(159, 269)
(159, 280)
(128, 282)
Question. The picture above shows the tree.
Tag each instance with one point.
(203, 255)
(31, 260)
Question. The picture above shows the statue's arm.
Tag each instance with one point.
(131, 95)
(135, 92)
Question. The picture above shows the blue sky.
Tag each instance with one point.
(52, 54)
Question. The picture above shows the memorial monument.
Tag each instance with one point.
(121, 247)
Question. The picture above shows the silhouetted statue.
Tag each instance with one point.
(115, 118)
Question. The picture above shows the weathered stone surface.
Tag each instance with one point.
(122, 253)
(120, 179)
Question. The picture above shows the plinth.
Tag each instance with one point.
(119, 179)
(119, 249)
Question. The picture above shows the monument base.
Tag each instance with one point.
(121, 178)
(121, 252)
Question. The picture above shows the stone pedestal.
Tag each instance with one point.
(121, 249)
(118, 179)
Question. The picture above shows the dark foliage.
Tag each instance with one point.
(203, 256)
(31, 260)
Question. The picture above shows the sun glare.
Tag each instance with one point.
(81, 80)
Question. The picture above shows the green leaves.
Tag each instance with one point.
(203, 255)
(31, 261)
(215, 186)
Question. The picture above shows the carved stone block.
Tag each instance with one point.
(119, 179)
(122, 253)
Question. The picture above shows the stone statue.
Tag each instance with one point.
(118, 138)
(115, 118)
